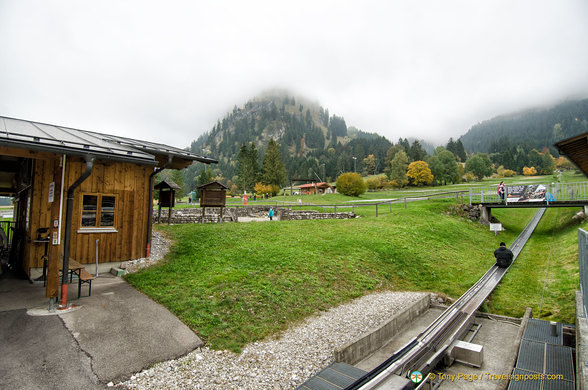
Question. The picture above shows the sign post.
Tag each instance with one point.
(496, 227)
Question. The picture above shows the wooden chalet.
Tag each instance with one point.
(87, 193)
(314, 188)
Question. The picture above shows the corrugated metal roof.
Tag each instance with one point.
(531, 356)
(542, 355)
(336, 376)
(155, 148)
(540, 330)
(576, 149)
(524, 384)
(58, 139)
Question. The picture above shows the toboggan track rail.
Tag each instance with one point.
(426, 350)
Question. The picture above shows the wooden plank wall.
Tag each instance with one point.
(129, 182)
(40, 210)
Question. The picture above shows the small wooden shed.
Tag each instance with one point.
(167, 197)
(213, 194)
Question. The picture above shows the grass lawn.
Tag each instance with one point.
(235, 283)
(545, 276)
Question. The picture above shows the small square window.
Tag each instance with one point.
(98, 210)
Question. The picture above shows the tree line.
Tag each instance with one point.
(314, 144)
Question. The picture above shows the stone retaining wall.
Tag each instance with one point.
(287, 215)
(194, 215)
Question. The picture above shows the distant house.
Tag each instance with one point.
(90, 192)
(315, 188)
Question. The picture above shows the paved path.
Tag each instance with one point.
(113, 334)
(40, 353)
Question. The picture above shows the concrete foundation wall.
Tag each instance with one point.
(363, 346)
(581, 344)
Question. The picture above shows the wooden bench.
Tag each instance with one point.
(84, 277)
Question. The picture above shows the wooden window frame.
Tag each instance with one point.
(97, 228)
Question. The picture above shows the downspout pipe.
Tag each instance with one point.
(150, 206)
(67, 238)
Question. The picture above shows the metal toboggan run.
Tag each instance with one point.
(426, 350)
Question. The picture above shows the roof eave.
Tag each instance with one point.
(74, 152)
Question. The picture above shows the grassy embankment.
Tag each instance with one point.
(236, 283)
(545, 275)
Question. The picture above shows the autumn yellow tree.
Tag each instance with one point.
(261, 189)
(529, 171)
(369, 164)
(563, 163)
(419, 173)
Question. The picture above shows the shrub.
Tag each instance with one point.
(376, 183)
(529, 171)
(469, 177)
(351, 184)
(502, 172)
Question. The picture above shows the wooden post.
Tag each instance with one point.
(159, 212)
(376, 210)
(221, 215)
(203, 214)
(169, 214)
(390, 204)
(405, 202)
(52, 289)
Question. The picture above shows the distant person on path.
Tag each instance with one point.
(503, 256)
(501, 191)
(271, 214)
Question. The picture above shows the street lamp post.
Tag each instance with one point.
(354, 165)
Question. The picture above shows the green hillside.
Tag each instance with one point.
(536, 128)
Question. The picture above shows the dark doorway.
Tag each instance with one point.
(16, 175)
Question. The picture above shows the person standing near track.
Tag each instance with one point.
(501, 191)
(503, 256)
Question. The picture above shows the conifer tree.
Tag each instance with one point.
(247, 167)
(272, 168)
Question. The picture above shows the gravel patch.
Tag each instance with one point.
(160, 245)
(284, 362)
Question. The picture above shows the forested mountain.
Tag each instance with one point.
(531, 129)
(313, 143)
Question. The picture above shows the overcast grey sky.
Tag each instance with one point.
(166, 71)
